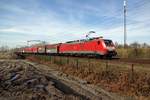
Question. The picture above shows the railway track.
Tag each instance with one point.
(139, 61)
(117, 59)
(114, 59)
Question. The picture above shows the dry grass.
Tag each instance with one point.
(133, 52)
(120, 78)
(5, 55)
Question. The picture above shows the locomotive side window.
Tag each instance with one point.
(98, 42)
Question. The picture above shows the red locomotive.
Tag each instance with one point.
(94, 46)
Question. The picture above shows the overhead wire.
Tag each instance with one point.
(109, 21)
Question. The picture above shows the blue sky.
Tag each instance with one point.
(62, 20)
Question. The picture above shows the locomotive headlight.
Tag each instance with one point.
(111, 48)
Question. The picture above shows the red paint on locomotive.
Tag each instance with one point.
(93, 46)
(96, 46)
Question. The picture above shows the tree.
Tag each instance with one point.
(135, 45)
(4, 48)
(144, 45)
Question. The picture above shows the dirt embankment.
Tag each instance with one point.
(20, 80)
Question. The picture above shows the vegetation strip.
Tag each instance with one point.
(125, 80)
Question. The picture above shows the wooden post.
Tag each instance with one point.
(50, 58)
(77, 63)
(54, 59)
(59, 60)
(106, 66)
(67, 60)
(89, 63)
(89, 67)
(132, 72)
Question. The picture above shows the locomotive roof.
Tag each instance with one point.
(84, 40)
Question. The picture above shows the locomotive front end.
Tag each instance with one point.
(111, 50)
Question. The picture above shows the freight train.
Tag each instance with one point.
(96, 46)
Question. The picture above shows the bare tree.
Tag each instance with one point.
(144, 45)
(4, 48)
(135, 45)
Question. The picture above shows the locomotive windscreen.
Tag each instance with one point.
(108, 42)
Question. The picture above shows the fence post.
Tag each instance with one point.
(67, 60)
(89, 63)
(59, 60)
(77, 63)
(50, 59)
(106, 65)
(54, 59)
(132, 72)
(89, 67)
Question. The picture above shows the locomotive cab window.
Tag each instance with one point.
(108, 42)
(98, 42)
